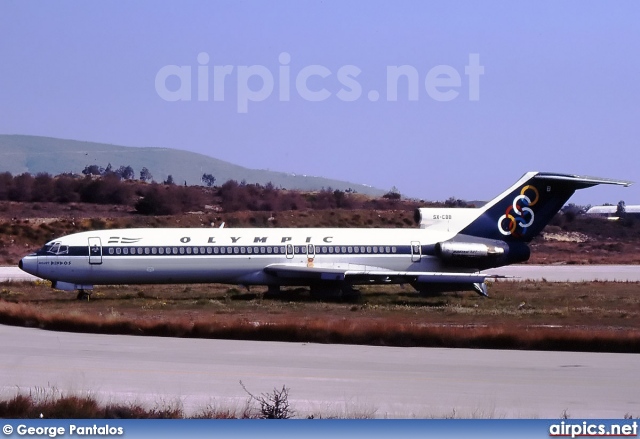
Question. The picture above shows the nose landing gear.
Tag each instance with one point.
(83, 295)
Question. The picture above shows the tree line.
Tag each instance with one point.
(127, 173)
(167, 198)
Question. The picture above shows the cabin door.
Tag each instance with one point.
(95, 251)
(289, 251)
(416, 251)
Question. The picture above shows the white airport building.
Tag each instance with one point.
(610, 211)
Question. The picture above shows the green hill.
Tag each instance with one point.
(34, 154)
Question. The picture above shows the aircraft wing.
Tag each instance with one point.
(341, 272)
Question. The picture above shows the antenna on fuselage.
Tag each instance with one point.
(221, 225)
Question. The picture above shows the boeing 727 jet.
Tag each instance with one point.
(446, 253)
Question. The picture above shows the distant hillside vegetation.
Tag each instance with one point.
(34, 154)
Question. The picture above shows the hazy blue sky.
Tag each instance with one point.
(558, 87)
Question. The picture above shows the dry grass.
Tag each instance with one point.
(53, 404)
(543, 316)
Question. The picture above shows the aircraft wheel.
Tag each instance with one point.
(83, 295)
(325, 291)
(350, 293)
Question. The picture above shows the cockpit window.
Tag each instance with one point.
(58, 249)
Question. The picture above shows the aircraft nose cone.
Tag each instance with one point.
(29, 264)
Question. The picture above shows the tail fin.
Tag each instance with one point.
(522, 211)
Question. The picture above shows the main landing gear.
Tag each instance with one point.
(332, 291)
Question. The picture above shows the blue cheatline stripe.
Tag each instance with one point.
(234, 250)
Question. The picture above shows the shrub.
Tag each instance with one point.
(274, 405)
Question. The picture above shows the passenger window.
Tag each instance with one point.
(110, 251)
(118, 250)
(125, 251)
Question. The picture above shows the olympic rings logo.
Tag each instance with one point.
(519, 216)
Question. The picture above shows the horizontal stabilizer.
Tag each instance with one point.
(584, 180)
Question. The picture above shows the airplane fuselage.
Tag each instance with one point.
(227, 255)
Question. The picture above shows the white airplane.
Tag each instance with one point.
(447, 252)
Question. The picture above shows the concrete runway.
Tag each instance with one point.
(15, 274)
(330, 380)
(570, 273)
(551, 273)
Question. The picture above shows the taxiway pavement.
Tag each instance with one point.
(569, 273)
(550, 273)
